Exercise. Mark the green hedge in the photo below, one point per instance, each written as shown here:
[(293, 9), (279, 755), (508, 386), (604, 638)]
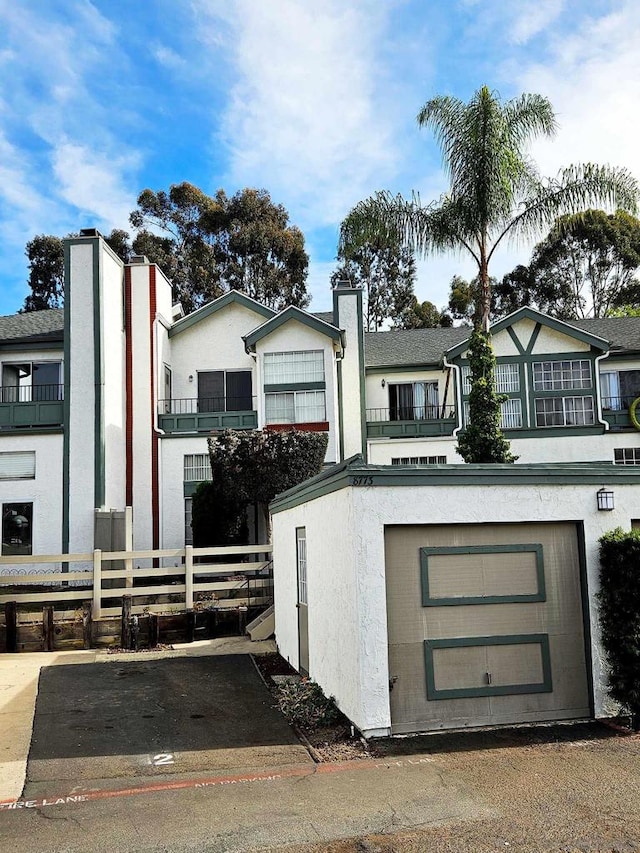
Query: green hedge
[(619, 601)]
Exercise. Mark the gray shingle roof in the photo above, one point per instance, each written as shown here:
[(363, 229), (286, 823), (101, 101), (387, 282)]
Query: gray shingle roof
[(623, 333), (33, 327), (410, 346), (427, 346), (325, 316)]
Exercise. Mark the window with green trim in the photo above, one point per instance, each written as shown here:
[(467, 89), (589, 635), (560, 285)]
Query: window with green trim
[(289, 368), (626, 455), (561, 375), (510, 413), (295, 407), (564, 411)]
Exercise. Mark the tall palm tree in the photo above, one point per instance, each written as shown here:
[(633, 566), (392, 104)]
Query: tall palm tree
[(495, 189)]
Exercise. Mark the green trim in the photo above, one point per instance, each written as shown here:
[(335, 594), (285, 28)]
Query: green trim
[(533, 338), (352, 472), (541, 432), (67, 397), (585, 355), (411, 429), (295, 386), (232, 297), (599, 344), (544, 686), (361, 379), (291, 313), (205, 422), (38, 413), (516, 340), (586, 615), (616, 355), (25, 344), (429, 601), (422, 367), (340, 412), (39, 430), (98, 366)]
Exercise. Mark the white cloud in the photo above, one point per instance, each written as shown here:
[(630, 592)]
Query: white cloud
[(92, 182), (592, 77), (304, 117)]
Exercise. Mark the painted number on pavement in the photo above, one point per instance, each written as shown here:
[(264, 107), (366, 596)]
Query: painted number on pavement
[(163, 758)]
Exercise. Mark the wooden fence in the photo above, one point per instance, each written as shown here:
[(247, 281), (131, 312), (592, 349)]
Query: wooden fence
[(244, 581)]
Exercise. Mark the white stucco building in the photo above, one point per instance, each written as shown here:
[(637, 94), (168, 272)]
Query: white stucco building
[(421, 592)]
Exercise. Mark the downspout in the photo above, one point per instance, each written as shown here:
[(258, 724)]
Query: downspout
[(456, 370), (599, 358)]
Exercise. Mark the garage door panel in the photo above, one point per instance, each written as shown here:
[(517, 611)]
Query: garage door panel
[(481, 574), (489, 579), (486, 619), (409, 710)]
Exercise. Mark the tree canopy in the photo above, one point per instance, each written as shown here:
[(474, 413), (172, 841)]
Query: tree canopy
[(205, 245), (586, 267), (387, 273), (256, 465), (212, 244)]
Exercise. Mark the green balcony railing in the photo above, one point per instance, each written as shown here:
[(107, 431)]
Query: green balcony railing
[(411, 422), (206, 414)]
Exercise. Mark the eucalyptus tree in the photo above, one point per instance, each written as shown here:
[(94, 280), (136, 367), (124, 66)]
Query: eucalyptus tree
[(495, 190)]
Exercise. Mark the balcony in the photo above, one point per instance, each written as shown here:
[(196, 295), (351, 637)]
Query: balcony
[(411, 422), (615, 410), (31, 406), (207, 414)]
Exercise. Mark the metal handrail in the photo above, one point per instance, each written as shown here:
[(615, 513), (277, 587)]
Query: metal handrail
[(31, 393), (197, 405), (411, 413)]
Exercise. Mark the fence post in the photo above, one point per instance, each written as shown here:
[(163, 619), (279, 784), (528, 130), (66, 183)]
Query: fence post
[(86, 625), (125, 623), (11, 624), (48, 627), (97, 583), (188, 577), (128, 545)]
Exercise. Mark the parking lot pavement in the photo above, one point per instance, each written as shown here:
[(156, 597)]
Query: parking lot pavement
[(156, 716), (80, 717)]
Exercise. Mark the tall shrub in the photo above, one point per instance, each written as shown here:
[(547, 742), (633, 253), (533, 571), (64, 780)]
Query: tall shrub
[(619, 601)]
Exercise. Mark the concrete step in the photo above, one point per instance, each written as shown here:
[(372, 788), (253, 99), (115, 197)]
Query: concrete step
[(263, 626)]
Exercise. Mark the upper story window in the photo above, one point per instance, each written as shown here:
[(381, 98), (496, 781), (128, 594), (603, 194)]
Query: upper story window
[(564, 411), (510, 413), (295, 407), (413, 401), (290, 368), (507, 379), (224, 391), (561, 375), (29, 381)]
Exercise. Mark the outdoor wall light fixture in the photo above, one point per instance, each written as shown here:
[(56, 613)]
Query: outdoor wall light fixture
[(191, 377), (383, 383), (605, 499)]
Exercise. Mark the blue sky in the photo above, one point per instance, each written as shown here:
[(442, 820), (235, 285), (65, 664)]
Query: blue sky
[(314, 100)]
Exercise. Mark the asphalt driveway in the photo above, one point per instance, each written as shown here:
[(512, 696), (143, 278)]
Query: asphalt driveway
[(116, 718)]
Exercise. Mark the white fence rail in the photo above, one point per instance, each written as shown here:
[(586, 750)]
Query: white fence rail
[(195, 578)]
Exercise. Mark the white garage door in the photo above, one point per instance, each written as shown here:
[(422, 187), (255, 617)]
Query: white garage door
[(485, 625)]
